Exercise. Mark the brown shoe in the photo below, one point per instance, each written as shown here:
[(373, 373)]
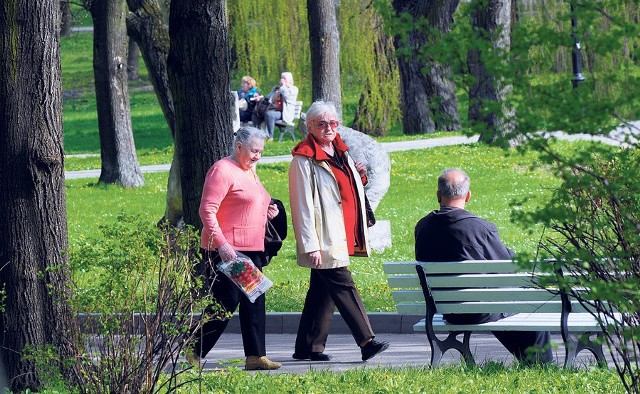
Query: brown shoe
[(260, 363)]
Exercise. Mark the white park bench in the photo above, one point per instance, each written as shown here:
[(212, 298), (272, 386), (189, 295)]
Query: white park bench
[(488, 286)]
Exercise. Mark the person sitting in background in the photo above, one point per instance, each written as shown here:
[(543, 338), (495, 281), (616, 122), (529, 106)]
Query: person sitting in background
[(248, 92), (454, 234), (282, 105)]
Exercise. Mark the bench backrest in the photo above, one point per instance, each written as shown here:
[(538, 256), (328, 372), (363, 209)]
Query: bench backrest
[(472, 286), (297, 110)]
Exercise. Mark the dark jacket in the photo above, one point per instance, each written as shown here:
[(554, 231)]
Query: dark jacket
[(453, 234)]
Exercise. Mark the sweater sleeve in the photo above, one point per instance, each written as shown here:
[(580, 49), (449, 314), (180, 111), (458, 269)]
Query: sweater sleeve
[(216, 187)]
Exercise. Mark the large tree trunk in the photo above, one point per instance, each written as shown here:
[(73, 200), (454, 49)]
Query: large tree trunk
[(65, 18), (117, 149), (492, 21), (198, 69), (33, 235), (429, 100), (145, 25), (324, 41)]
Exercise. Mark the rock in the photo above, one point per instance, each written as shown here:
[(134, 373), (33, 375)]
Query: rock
[(372, 154)]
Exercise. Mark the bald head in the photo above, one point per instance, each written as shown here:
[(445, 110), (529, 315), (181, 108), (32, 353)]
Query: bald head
[(453, 188)]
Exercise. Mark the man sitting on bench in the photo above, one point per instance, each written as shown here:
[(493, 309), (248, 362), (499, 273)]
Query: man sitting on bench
[(454, 234)]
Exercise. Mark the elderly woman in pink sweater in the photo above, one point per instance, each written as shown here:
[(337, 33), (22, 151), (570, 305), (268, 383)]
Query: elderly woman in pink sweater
[(234, 210)]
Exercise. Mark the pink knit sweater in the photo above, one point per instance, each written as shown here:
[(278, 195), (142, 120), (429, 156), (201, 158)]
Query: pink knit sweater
[(233, 208)]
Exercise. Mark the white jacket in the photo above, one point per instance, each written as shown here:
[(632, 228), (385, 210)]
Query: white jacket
[(318, 221)]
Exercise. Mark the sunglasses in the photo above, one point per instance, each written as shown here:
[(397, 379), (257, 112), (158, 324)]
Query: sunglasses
[(323, 124)]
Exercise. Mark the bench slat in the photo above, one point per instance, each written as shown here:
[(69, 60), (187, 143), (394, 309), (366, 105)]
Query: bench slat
[(484, 307), (506, 294), (578, 322), (469, 267), (466, 281)]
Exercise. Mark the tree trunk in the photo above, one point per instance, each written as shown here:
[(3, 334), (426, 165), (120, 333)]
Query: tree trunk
[(198, 69), (117, 148), (33, 236), (324, 41), (145, 25), (491, 20), (65, 18), (133, 56), (429, 100)]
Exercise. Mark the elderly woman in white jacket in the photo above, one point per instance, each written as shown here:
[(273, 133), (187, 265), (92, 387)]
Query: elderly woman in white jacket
[(330, 224)]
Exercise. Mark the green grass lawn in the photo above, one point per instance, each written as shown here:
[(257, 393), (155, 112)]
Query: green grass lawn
[(496, 180), (492, 378)]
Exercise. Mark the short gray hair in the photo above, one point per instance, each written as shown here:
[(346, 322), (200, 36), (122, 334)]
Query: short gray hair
[(319, 108), (450, 186), (245, 134), (288, 75)]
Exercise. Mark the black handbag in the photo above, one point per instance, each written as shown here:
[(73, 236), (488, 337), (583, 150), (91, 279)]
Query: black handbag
[(275, 232), (261, 107)]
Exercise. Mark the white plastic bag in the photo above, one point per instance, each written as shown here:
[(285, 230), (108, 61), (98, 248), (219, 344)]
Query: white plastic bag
[(246, 276)]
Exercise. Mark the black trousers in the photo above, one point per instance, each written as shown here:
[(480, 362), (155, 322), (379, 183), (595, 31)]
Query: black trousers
[(527, 346), (330, 288), (252, 315)]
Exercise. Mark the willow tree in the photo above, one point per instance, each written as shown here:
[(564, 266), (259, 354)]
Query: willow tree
[(268, 37), (198, 70), (34, 276), (369, 53)]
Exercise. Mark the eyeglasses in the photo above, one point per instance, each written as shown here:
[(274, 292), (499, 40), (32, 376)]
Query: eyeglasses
[(323, 124)]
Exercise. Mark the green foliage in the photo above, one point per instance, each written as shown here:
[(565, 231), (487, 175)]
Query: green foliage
[(591, 218), (138, 305)]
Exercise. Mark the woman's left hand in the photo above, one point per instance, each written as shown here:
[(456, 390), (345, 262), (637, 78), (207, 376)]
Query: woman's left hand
[(361, 168), (272, 211)]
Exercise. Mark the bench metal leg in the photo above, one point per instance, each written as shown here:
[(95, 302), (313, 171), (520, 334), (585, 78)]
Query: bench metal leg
[(287, 130), (574, 346), (440, 347)]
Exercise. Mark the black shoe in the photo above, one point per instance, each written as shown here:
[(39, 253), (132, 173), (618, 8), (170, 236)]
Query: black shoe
[(372, 348), (313, 356), (300, 356), (319, 356)]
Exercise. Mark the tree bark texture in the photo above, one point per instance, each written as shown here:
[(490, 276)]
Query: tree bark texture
[(429, 101), (145, 25), (324, 41), (117, 148), (491, 20), (198, 69), (33, 234), (66, 18)]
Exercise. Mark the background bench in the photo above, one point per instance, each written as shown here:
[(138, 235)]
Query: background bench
[(492, 286)]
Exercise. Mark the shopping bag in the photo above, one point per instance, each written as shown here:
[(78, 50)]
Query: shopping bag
[(244, 274)]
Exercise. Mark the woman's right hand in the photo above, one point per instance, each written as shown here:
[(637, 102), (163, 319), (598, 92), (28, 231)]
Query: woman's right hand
[(226, 252), (315, 258)]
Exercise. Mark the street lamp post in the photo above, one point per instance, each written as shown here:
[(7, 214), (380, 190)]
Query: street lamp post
[(576, 60)]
